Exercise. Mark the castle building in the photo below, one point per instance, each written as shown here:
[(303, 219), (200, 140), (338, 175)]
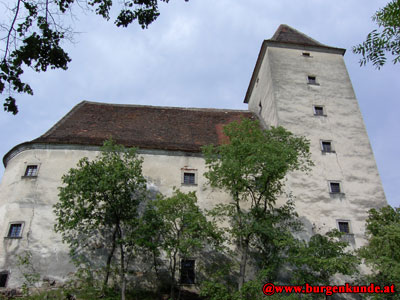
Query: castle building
[(297, 83)]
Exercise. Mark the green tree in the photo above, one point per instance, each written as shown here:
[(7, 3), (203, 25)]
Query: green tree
[(385, 39), (183, 230), (35, 32), (251, 167), (98, 206), (381, 253), (317, 261)]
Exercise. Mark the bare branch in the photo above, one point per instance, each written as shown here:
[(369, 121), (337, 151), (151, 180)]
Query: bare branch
[(11, 30)]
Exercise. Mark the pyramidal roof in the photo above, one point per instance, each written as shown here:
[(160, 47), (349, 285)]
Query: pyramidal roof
[(287, 34)]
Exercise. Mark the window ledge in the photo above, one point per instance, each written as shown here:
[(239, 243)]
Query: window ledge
[(338, 194), (333, 151), (189, 184), (316, 115), (348, 237), (30, 177), (309, 83), (12, 237)]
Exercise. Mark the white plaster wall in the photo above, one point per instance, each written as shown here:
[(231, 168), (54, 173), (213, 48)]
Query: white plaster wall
[(30, 200), (263, 92)]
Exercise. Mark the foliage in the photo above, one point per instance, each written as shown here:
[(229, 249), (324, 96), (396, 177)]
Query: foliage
[(251, 167), (382, 251), (98, 207), (316, 261), (385, 39), (251, 290), (273, 238), (86, 293), (30, 275), (35, 32), (182, 229)]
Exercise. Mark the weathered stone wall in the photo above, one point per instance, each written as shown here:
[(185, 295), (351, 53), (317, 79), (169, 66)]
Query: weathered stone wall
[(30, 200)]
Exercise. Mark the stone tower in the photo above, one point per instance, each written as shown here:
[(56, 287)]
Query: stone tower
[(304, 86)]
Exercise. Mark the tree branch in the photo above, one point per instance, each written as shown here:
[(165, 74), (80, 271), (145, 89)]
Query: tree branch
[(11, 29)]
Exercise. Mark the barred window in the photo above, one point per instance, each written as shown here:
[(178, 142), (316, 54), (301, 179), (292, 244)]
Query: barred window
[(189, 178), (15, 230), (312, 80), (319, 111), (3, 279), (326, 146), (344, 226), (31, 171), (187, 271), (335, 187)]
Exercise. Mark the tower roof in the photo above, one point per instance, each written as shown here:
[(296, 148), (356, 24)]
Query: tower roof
[(287, 34)]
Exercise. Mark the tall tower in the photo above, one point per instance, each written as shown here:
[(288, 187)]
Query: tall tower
[(303, 85)]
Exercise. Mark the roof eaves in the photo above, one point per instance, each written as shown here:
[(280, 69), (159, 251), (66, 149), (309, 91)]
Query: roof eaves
[(257, 67)]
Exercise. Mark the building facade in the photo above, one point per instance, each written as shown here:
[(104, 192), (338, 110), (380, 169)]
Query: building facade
[(297, 83)]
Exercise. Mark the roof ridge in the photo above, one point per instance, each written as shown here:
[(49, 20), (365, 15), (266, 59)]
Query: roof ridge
[(62, 120), (161, 107)]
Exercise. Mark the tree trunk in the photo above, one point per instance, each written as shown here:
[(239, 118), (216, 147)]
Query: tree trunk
[(173, 270), (122, 271), (109, 258), (243, 262), (158, 280)]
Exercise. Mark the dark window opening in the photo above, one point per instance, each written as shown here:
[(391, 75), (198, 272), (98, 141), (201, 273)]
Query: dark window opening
[(3, 279), (326, 146), (335, 187), (318, 110), (344, 227), (312, 80), (306, 54), (188, 178), (187, 271), (15, 231), (31, 170)]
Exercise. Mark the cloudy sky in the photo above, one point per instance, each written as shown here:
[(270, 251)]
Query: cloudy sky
[(202, 53)]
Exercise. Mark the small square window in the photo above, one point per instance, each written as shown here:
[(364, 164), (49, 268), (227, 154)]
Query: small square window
[(307, 54), (3, 279), (335, 187), (187, 271), (312, 80), (319, 111), (326, 146), (15, 230), (31, 171), (344, 226), (189, 178)]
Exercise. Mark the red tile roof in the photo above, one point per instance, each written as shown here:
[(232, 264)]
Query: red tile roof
[(145, 127)]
